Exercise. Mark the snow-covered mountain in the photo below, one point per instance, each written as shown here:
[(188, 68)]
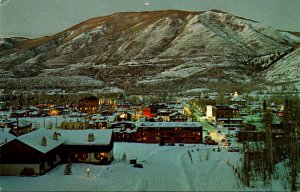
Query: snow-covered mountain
[(146, 51)]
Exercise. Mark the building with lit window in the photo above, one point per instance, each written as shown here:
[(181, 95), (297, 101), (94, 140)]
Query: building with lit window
[(39, 151), (89, 105), (74, 124), (222, 111), (169, 132)]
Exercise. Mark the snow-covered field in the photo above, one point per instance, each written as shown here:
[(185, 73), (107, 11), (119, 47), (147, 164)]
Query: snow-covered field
[(166, 168)]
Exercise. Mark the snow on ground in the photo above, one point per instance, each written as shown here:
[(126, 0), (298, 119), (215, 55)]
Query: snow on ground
[(166, 168)]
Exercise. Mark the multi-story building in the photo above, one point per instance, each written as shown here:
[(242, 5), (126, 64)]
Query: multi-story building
[(89, 105), (169, 132), (222, 111)]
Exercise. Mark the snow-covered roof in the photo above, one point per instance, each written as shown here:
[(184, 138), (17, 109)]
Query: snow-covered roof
[(5, 136), (66, 137), (120, 130), (98, 117), (33, 139), (169, 124), (123, 122), (237, 98), (23, 123), (176, 113), (80, 137), (76, 120)]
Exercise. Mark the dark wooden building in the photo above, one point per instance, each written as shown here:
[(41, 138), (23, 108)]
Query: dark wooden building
[(125, 116), (225, 111), (89, 105), (37, 152), (124, 131), (178, 117), (169, 132)]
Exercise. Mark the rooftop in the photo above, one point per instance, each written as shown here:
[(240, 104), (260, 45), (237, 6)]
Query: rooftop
[(66, 137), (169, 124)]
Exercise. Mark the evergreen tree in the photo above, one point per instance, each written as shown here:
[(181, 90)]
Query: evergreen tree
[(264, 105), (291, 124), (268, 121), (124, 158), (68, 168)]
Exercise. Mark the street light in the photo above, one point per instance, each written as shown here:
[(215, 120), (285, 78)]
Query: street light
[(88, 172)]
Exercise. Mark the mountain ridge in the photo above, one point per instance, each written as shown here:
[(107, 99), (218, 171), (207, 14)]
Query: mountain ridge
[(155, 50)]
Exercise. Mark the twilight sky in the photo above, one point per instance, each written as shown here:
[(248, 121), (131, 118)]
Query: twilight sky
[(35, 18)]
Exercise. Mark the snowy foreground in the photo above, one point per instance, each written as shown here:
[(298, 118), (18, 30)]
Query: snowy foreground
[(166, 168)]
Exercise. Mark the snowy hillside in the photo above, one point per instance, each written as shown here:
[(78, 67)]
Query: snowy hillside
[(156, 50), (287, 69)]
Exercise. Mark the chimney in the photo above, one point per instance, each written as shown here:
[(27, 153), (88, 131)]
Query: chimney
[(43, 141), (55, 136), (91, 137)]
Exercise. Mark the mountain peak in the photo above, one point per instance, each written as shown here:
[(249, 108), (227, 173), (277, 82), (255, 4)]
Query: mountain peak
[(170, 49)]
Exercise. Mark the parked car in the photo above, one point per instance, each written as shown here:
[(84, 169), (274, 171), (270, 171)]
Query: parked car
[(171, 144), (230, 149), (138, 165), (211, 142), (161, 144), (233, 149)]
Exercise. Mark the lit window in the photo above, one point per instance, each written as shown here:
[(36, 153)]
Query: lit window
[(83, 156), (96, 156)]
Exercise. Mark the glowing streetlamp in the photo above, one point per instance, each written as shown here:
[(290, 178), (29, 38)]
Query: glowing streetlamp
[(88, 172)]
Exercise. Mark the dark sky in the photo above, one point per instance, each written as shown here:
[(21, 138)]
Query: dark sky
[(35, 18)]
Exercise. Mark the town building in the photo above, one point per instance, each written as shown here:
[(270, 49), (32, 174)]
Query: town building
[(222, 111), (178, 117), (169, 132), (37, 152), (75, 124), (89, 105)]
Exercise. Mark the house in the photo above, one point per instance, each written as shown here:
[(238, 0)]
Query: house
[(222, 111), (238, 100), (163, 114), (124, 131), (18, 113), (231, 123), (89, 146), (169, 132), (155, 106), (89, 105), (100, 122), (5, 136), (178, 117), (252, 134), (31, 154), (74, 124), (32, 111), (37, 152), (124, 135), (20, 127), (123, 125), (125, 116)]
